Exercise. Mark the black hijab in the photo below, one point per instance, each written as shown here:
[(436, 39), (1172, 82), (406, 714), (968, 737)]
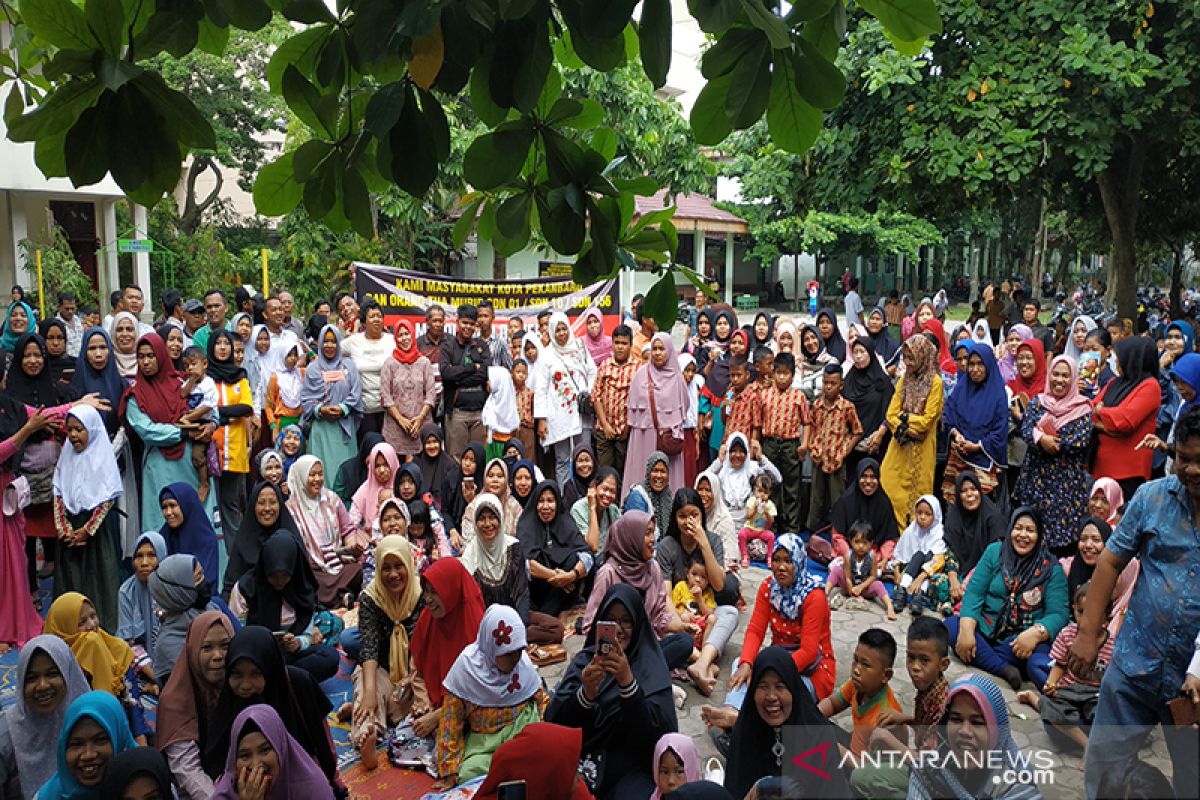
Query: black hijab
[(555, 544), (223, 370), (164, 330), (577, 485), (885, 346), (353, 472), (454, 503), (870, 389), (283, 552), (1080, 573), (250, 538), (410, 469), (135, 763), (315, 323), (835, 345), (968, 533), (523, 464), (62, 367), (754, 340), (700, 790), (876, 509), (293, 693), (1138, 358), (31, 390), (13, 417), (433, 470), (106, 382), (515, 444), (717, 381), (1022, 573), (752, 740)]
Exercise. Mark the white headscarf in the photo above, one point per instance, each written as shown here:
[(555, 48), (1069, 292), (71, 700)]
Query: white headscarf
[(87, 480), (475, 677), (489, 559), (573, 346), (126, 362), (290, 381), (736, 482), (500, 410), (979, 333), (916, 539)]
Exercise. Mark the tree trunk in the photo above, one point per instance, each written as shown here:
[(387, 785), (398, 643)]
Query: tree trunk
[(1120, 184), (1037, 264), (193, 209), (972, 256), (1177, 282), (499, 266)]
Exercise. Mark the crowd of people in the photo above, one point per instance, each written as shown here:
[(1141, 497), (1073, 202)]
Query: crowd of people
[(229, 506)]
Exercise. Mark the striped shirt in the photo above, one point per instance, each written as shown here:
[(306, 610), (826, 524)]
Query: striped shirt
[(784, 414), (612, 392), (835, 431), (743, 411)]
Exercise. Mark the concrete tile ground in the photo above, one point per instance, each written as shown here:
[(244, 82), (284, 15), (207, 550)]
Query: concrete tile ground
[(1065, 782)]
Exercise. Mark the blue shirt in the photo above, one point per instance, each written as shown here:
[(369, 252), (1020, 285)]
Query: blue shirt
[(1158, 636)]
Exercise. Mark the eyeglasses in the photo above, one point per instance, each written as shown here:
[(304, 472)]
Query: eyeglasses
[(625, 624)]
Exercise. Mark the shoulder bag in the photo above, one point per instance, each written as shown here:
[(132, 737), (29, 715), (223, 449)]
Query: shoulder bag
[(668, 441)]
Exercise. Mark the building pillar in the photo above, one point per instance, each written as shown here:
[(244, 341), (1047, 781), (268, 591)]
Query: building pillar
[(729, 268), (18, 227), (108, 276), (141, 263)]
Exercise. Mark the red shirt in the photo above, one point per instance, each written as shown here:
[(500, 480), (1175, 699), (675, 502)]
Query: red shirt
[(1124, 426), (611, 391), (743, 412), (784, 414), (811, 632), (835, 431)]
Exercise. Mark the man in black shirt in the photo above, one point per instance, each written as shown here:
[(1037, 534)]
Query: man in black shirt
[(463, 365)]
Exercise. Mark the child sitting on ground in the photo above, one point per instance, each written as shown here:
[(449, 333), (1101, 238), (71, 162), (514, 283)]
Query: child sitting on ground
[(695, 602), (867, 693), (290, 444), (855, 578), (927, 659), (201, 394), (1068, 704), (760, 518), (920, 553)]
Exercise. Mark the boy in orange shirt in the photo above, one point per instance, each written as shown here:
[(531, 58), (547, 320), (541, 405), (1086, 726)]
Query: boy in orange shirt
[(867, 693)]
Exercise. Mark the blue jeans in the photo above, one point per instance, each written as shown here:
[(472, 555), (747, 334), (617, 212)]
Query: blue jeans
[(676, 649), (1127, 712), (993, 657)]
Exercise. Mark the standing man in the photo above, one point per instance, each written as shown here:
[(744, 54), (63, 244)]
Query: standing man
[(282, 337), (853, 305), (463, 365), (494, 339), (172, 302), (135, 303), (193, 320), (67, 306), (646, 330), (429, 344), (1029, 315), (215, 306), (290, 322), (611, 401), (1161, 528)]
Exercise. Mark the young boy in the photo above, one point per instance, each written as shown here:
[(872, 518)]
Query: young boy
[(856, 577), (835, 432), (927, 659), (867, 693), (610, 398), (760, 518), (201, 393), (764, 368), (785, 431), (526, 434), (742, 408)]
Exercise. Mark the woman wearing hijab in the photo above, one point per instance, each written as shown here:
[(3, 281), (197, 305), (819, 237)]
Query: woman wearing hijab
[(48, 681), (716, 516), (882, 343), (182, 598), (282, 388), (152, 409), (104, 657), (786, 338), (658, 403), (716, 366), (123, 329), (1029, 379), (280, 594), (559, 558), (865, 501), (448, 623), (235, 421), (977, 417), (1006, 351), (598, 510), (1080, 328), (1057, 430), (762, 331), (972, 523), (382, 466), (92, 717), (137, 613), (187, 529), (329, 536), (264, 760), (980, 333), (599, 346), (462, 483), (137, 773), (332, 401), (870, 389), (255, 660), (621, 698), (1080, 566), (1014, 606), (912, 417), (495, 483), (188, 702), (969, 768), (945, 361), (784, 700), (543, 755), (1126, 411), (568, 371), (354, 472), (810, 362), (17, 322), (86, 487), (60, 365), (522, 480), (434, 462), (492, 692), (827, 326), (267, 515), (654, 494), (407, 390)]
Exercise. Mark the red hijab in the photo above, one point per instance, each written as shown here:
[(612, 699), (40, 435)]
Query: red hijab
[(545, 756), (412, 353), (436, 643), (1032, 387), (946, 362), (158, 395)]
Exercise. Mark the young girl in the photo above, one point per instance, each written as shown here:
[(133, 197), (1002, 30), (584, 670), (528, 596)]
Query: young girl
[(695, 602), (676, 762), (501, 414), (920, 553), (282, 403), (736, 468), (379, 486), (760, 517), (524, 397), (408, 486), (855, 577), (691, 416), (138, 614), (290, 443), (421, 535)]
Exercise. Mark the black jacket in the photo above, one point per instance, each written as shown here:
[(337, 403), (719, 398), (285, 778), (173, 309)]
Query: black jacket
[(464, 374)]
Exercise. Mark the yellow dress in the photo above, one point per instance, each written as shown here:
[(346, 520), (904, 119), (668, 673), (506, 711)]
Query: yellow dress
[(908, 468)]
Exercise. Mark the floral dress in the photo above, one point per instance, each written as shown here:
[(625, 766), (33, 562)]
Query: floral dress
[(1057, 486)]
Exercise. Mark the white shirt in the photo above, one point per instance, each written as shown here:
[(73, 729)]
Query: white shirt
[(854, 308), (369, 355)]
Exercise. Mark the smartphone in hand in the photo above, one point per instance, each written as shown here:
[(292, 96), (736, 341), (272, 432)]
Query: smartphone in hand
[(511, 790), (606, 636)]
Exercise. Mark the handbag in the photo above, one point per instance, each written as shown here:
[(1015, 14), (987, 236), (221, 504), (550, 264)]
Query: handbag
[(667, 440)]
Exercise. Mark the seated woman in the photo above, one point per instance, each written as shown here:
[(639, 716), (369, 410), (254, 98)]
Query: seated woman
[(105, 659), (266, 515), (265, 761), (654, 494), (497, 563), (495, 483), (188, 701), (181, 590), (979, 756), (392, 520), (738, 463), (559, 558), (388, 610), (48, 681), (1080, 567), (330, 537), (716, 516), (281, 596), (408, 489), (137, 613), (595, 512), (619, 693), (379, 486), (779, 697), (255, 673), (865, 501), (95, 722), (492, 692), (583, 469), (543, 755), (522, 478), (972, 523), (353, 473), (188, 530), (1015, 604), (137, 774), (459, 488), (448, 623)]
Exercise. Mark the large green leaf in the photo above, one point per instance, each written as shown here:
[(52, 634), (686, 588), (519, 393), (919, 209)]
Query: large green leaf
[(512, 217), (106, 19), (439, 127), (182, 117), (497, 158), (307, 103), (58, 112), (309, 156), (792, 123), (561, 221), (413, 150), (249, 15), (481, 95), (87, 146), (654, 36), (462, 227), (820, 82), (662, 302), (768, 22), (356, 203), (116, 72), (710, 124), (322, 188), (601, 54), (384, 107), (715, 16), (809, 10), (723, 56), (276, 191), (300, 50), (306, 11), (49, 153), (827, 32), (909, 20), (59, 22), (749, 88)]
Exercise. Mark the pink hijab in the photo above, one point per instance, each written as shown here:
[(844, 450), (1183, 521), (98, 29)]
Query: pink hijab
[(1061, 411), (366, 499), (670, 390), (1112, 493), (600, 347), (684, 749)]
